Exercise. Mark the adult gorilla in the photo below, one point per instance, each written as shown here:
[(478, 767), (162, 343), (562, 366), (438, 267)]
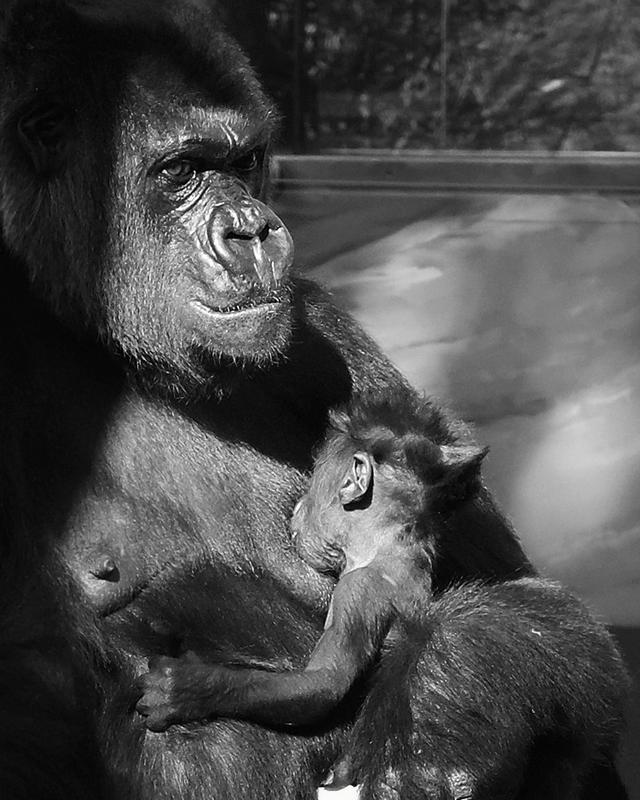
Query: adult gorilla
[(165, 377)]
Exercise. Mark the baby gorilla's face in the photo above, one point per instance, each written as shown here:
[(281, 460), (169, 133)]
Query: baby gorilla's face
[(318, 523)]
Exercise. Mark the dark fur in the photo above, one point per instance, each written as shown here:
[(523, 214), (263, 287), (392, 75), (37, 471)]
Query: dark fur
[(471, 636), (368, 516), (181, 453), (420, 441), (383, 535)]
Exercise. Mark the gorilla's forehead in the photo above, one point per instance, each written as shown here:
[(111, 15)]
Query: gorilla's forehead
[(195, 82), (195, 107), (217, 132)]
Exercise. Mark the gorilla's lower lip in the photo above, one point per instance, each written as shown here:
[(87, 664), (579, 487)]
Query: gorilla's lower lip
[(234, 313)]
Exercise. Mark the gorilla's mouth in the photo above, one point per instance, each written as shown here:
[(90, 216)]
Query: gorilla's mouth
[(254, 302), (255, 329), (232, 311)]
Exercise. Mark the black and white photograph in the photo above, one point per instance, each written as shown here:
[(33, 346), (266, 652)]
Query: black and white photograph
[(320, 400)]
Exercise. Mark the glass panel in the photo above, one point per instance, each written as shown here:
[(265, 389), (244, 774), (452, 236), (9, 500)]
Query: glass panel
[(449, 74)]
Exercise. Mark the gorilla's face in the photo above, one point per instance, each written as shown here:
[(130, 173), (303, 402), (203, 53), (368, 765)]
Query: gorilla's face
[(202, 272), (148, 182)]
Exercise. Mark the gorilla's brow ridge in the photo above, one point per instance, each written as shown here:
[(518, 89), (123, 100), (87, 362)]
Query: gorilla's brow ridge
[(220, 138)]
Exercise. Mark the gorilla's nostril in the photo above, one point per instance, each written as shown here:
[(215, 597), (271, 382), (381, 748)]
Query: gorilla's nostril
[(239, 235), (247, 235)]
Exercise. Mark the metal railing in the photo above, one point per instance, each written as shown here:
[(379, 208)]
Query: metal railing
[(406, 171)]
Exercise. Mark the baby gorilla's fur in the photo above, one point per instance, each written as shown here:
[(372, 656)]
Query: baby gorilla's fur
[(381, 481)]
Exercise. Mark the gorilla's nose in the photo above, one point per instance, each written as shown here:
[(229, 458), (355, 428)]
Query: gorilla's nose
[(250, 240)]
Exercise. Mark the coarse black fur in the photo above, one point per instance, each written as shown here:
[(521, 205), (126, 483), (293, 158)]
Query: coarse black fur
[(164, 378)]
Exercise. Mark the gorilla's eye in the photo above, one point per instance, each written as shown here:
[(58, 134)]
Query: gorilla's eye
[(44, 126), (47, 124), (247, 162), (179, 172)]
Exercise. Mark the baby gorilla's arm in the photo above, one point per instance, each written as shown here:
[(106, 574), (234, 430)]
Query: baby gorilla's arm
[(187, 689)]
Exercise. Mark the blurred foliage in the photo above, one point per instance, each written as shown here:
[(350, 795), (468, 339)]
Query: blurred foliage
[(508, 74)]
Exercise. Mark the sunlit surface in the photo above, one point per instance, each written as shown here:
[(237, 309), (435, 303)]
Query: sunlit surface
[(348, 793)]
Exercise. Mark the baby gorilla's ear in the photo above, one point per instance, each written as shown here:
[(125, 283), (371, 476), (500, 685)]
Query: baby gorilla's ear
[(357, 480), (461, 466)]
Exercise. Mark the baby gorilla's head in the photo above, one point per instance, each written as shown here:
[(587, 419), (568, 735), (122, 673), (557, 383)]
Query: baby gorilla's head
[(381, 470)]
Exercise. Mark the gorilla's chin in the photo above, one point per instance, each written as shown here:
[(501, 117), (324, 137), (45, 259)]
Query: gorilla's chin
[(236, 346)]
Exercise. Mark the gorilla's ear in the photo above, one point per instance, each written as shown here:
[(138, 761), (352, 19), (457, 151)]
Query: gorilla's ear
[(44, 130)]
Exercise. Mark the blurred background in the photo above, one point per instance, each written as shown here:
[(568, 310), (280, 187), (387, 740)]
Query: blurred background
[(463, 74), (465, 176)]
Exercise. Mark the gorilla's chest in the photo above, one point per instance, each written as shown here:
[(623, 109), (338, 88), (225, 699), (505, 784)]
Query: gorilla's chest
[(168, 496)]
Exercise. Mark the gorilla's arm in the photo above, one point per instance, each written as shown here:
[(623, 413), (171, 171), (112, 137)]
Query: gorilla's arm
[(505, 684)]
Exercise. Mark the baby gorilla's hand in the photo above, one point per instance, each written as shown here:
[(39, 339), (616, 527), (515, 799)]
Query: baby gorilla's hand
[(172, 691)]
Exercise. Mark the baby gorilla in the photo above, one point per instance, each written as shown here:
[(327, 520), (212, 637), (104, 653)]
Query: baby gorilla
[(379, 479)]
